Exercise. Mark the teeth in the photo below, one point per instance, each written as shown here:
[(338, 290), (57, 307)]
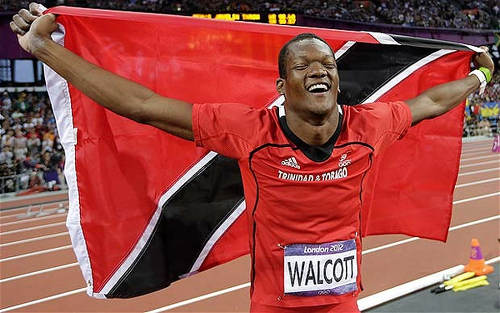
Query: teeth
[(318, 88)]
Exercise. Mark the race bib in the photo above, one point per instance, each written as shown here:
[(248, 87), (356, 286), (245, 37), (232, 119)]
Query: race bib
[(320, 269)]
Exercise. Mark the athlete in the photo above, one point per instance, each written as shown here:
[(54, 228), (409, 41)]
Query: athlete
[(305, 248)]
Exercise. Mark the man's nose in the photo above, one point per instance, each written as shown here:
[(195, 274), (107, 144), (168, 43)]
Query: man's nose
[(317, 70)]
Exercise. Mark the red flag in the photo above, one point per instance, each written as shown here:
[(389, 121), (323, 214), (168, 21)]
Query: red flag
[(147, 208)]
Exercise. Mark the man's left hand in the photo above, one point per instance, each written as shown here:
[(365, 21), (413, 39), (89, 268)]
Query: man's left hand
[(484, 59)]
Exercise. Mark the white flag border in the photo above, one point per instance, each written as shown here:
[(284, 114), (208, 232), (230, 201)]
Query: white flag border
[(61, 103)]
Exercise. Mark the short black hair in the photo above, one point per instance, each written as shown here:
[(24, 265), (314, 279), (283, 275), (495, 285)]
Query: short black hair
[(284, 50)]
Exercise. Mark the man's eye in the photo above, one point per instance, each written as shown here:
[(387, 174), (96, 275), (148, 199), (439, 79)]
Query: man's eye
[(301, 67), (330, 65)]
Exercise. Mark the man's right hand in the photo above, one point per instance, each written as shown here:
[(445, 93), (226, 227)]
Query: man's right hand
[(32, 28)]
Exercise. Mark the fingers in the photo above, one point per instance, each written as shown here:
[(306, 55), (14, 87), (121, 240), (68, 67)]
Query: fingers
[(27, 16), (19, 21), (36, 8), (16, 29), (484, 48), (483, 59)]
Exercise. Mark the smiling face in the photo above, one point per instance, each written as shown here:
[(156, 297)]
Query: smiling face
[(311, 82)]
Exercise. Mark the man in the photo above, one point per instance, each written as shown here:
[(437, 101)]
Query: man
[(303, 166)]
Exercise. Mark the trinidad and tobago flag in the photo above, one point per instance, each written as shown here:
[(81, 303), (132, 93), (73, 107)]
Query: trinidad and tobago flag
[(147, 208)]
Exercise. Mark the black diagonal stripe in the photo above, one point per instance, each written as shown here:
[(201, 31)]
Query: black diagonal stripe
[(365, 68), (188, 220)]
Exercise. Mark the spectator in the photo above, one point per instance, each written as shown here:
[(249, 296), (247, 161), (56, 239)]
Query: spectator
[(6, 156), (20, 145), (8, 138), (33, 138), (484, 128), (6, 101)]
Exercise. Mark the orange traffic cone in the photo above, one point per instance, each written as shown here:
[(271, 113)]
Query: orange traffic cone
[(476, 260)]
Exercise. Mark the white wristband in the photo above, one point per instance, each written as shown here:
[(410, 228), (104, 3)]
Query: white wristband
[(482, 80)]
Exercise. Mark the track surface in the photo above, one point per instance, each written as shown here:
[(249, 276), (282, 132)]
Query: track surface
[(38, 270)]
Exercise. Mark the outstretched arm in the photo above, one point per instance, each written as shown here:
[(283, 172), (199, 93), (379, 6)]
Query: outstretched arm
[(442, 98), (116, 93)]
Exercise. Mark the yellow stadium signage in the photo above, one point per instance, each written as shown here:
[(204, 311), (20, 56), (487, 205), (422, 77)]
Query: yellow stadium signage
[(271, 18), (282, 18)]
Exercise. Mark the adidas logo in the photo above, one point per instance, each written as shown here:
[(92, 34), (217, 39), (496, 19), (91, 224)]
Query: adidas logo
[(344, 161), (292, 162)]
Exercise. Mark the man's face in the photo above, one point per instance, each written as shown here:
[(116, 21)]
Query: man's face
[(312, 80)]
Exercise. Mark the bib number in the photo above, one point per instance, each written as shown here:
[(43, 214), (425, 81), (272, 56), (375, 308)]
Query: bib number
[(320, 269)]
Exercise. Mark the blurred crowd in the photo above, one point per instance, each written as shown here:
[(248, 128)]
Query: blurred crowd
[(438, 13), (31, 155), (482, 111), (482, 14)]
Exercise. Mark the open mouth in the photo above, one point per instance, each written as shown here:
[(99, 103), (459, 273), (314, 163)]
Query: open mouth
[(318, 88)]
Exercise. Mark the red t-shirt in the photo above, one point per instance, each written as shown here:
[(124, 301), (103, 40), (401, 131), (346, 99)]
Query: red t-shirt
[(303, 202)]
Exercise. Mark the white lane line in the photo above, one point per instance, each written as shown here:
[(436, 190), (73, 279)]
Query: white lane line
[(34, 207), (397, 243), (390, 245), (480, 157), (477, 182), (480, 163), (47, 270), (484, 220), (200, 298), (31, 219), (223, 291), (16, 212), (475, 140), (32, 239), (494, 260), (412, 286), (32, 228), (34, 253), (22, 305), (476, 198), (482, 146), (480, 171), (469, 145), (476, 150)]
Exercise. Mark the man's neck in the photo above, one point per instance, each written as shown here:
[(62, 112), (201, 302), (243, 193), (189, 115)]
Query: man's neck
[(314, 131)]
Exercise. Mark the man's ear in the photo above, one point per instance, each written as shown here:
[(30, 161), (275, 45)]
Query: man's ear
[(280, 86)]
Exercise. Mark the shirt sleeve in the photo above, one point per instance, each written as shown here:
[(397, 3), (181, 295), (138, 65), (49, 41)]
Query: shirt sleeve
[(225, 128)]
